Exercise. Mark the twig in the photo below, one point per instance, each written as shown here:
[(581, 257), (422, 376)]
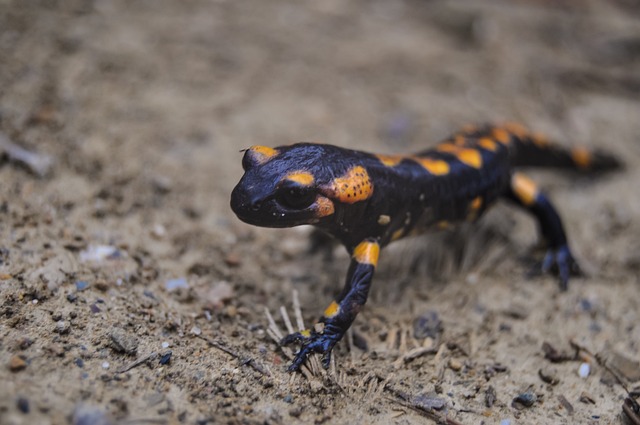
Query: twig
[(297, 311), (431, 414), (274, 332), (137, 362), (39, 164), (243, 360)]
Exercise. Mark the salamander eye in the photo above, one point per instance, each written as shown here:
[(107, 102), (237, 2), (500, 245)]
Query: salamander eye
[(296, 198)]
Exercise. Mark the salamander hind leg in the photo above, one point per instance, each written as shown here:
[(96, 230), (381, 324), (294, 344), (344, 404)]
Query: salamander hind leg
[(524, 192), (341, 313)]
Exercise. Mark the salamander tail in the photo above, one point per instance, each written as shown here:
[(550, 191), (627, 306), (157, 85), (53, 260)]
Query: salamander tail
[(530, 149)]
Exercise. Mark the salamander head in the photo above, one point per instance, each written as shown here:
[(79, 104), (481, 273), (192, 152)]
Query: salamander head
[(285, 186)]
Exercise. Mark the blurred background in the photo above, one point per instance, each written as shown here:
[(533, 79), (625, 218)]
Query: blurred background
[(132, 114)]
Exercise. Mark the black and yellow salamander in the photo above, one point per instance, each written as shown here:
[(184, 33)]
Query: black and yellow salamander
[(367, 201)]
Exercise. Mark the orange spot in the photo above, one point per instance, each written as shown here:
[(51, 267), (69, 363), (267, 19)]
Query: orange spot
[(470, 157), (501, 136), (437, 167), (581, 157), (467, 156), (262, 154), (367, 253), (306, 333), (488, 144), (397, 234), (474, 206), (324, 207), (514, 128), (447, 147), (390, 160), (459, 140), (332, 310), (524, 188), (476, 203), (301, 177), (353, 187)]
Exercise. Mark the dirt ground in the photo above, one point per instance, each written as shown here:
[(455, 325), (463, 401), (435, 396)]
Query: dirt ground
[(130, 293)]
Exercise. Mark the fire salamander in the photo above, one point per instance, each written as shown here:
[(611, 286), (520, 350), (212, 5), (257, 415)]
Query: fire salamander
[(367, 201)]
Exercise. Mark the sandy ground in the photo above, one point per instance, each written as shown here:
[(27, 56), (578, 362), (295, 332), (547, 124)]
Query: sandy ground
[(129, 292)]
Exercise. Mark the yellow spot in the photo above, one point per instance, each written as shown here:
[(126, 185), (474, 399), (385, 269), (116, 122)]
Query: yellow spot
[(581, 157), (467, 156), (353, 187), (488, 144), (367, 253), (262, 154), (524, 188), (470, 157), (514, 128), (324, 207), (437, 167), (447, 147), (501, 136), (474, 206), (476, 203), (397, 234), (443, 224), (332, 310), (383, 220), (390, 160), (306, 333), (301, 177)]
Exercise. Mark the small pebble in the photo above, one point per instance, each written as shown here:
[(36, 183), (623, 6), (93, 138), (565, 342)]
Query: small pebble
[(295, 412), (505, 422), (95, 309), (455, 364), (165, 344), (196, 330), (584, 370), (549, 375), (490, 397), (72, 297), (79, 363), (123, 342), (288, 398), (105, 365), (427, 325), (17, 363), (159, 231), (81, 285), (34, 301), (165, 358), (233, 259), (62, 327), (22, 404), (173, 284), (523, 400), (586, 398)]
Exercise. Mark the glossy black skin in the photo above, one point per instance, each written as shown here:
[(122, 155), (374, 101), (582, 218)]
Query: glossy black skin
[(413, 198), (397, 191)]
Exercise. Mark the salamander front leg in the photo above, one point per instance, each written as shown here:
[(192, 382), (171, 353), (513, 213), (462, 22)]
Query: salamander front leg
[(341, 313), (525, 193)]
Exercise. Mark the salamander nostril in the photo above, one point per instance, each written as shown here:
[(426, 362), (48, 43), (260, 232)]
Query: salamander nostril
[(256, 206)]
